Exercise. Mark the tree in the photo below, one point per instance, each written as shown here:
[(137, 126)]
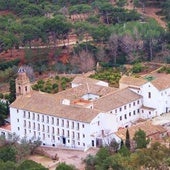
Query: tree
[(64, 166), (113, 44), (127, 141), (12, 95), (140, 139), (8, 153), (30, 165)]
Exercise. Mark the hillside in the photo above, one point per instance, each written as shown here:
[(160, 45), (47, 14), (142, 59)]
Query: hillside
[(73, 36)]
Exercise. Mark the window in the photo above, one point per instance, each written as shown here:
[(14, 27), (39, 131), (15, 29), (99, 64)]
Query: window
[(150, 113), (120, 117), (48, 129), (57, 122), (26, 88), (17, 111), (52, 121), (115, 110), (25, 132), (42, 118), (29, 124), (77, 126), (58, 131), (125, 116), (43, 136), (53, 137), (47, 119), (62, 123), (24, 114), (34, 134), (125, 107), (83, 135), (53, 130), (83, 144), (68, 134), (38, 126), (138, 102), (33, 125), (63, 132), (43, 129), (67, 124), (82, 125), (98, 123), (17, 120), (138, 110), (73, 135), (133, 103), (120, 109), (78, 143), (72, 125), (38, 117), (28, 115), (129, 113), (18, 128), (130, 105), (24, 123), (78, 136), (149, 95), (33, 116), (134, 112)]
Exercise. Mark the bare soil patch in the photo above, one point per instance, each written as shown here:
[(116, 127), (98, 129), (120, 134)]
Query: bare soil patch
[(73, 157)]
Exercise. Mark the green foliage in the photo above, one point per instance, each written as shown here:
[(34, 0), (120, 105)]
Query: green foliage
[(127, 141), (8, 153), (124, 151), (7, 64), (110, 76), (4, 108), (164, 69), (64, 166), (52, 85), (101, 155), (140, 139), (7, 165), (12, 89), (137, 68), (121, 3), (30, 165)]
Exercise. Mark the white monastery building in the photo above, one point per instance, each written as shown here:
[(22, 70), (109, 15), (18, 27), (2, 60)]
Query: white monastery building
[(88, 114)]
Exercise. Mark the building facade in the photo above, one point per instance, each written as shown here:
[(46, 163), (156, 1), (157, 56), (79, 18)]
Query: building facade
[(86, 115)]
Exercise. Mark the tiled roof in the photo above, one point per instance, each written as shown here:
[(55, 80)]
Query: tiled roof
[(146, 126), (78, 92), (116, 99), (162, 83), (83, 80), (132, 81), (47, 104)]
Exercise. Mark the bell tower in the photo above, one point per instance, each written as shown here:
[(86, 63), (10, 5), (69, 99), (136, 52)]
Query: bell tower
[(22, 82)]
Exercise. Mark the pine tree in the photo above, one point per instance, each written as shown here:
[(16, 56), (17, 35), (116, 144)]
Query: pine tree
[(12, 95), (127, 141)]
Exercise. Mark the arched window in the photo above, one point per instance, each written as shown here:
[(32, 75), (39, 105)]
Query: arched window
[(19, 88), (149, 95)]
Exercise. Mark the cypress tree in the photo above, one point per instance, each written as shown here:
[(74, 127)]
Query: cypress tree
[(127, 141)]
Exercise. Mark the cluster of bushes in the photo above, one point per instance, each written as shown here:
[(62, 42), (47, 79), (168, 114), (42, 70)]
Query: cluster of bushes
[(52, 85), (111, 76), (6, 64), (137, 68), (164, 69)]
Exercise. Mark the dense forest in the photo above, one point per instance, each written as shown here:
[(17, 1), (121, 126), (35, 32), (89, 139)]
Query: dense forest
[(103, 31)]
